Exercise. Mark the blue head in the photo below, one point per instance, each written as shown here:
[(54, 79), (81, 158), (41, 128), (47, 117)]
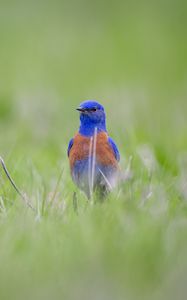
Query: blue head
[(92, 115)]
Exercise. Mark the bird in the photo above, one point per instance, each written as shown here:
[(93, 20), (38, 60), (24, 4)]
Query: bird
[(93, 155)]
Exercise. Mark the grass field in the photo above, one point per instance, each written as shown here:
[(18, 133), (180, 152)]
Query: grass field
[(132, 57)]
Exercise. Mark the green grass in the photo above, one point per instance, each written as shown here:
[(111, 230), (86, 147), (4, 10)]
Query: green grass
[(130, 56)]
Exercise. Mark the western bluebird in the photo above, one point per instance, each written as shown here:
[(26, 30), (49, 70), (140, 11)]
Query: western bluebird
[(93, 155)]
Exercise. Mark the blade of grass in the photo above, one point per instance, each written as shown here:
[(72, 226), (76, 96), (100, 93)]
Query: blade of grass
[(24, 198)]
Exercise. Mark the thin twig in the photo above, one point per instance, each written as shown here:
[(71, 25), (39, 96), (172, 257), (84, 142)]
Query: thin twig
[(14, 185), (90, 168), (105, 178), (94, 157)]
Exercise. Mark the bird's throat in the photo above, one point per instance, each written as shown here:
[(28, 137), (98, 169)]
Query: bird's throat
[(89, 128)]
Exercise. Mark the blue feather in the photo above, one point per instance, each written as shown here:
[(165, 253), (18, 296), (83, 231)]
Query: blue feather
[(89, 120), (114, 148), (70, 146)]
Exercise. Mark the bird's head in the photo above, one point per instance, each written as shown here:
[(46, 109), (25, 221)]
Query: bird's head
[(92, 115)]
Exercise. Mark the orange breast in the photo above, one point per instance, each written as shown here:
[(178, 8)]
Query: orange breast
[(81, 149)]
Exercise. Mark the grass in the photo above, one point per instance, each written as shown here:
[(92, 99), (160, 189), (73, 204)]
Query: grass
[(132, 58)]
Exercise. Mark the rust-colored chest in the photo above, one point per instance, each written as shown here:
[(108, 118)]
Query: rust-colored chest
[(84, 146)]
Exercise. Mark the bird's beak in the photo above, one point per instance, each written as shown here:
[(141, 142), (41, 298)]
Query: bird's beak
[(80, 109)]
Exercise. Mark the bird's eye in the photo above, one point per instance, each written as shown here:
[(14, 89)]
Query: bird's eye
[(93, 109)]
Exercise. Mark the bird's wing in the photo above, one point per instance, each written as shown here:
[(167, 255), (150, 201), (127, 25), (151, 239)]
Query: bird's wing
[(114, 148), (70, 146)]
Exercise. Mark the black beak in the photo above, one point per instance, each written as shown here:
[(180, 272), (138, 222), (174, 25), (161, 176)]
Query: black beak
[(80, 109)]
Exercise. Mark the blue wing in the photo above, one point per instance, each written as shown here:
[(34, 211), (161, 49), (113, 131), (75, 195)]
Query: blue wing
[(70, 146), (114, 148)]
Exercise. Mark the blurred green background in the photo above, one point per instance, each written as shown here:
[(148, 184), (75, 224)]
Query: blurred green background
[(132, 57), (129, 55)]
